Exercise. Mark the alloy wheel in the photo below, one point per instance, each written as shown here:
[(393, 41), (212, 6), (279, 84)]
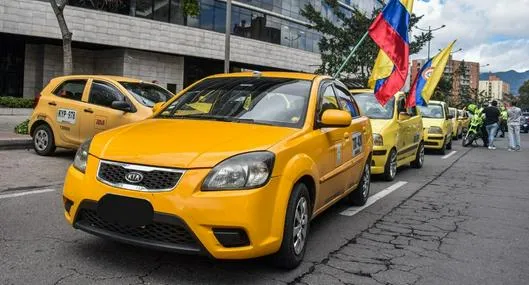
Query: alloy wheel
[(366, 180), (301, 220), (393, 165), (41, 140)]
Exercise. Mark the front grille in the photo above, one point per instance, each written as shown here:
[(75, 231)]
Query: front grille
[(156, 232), (430, 143), (153, 178), (436, 138)]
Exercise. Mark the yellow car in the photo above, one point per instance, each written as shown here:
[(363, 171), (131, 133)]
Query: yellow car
[(464, 120), (397, 133), (71, 109), (234, 167), (457, 130), (438, 127)]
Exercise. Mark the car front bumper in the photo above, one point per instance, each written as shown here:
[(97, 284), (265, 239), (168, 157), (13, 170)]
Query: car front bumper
[(433, 141), (185, 219), (379, 158)]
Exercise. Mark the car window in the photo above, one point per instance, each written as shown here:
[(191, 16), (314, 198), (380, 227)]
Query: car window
[(71, 89), (432, 111), (412, 111), (368, 104), (147, 94), (327, 100), (346, 102), (103, 94)]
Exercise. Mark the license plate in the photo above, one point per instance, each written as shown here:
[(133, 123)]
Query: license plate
[(125, 210), (66, 116)]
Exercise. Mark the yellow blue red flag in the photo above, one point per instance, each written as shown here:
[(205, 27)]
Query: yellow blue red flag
[(390, 32), (427, 78)]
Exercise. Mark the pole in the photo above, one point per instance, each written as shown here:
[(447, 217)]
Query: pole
[(351, 54), (429, 39), (227, 38)]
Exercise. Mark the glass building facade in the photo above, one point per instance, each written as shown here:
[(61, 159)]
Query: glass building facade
[(273, 21)]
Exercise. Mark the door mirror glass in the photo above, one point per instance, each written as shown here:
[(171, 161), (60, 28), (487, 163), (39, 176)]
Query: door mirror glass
[(335, 119), (122, 106), (157, 107), (404, 116)]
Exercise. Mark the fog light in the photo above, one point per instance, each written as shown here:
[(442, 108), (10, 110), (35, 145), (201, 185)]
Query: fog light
[(67, 204), (231, 237)]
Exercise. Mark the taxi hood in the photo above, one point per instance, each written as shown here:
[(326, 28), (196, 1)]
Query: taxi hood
[(377, 125), (182, 143), (431, 122)]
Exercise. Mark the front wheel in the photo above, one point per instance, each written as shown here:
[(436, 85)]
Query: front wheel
[(468, 139), (360, 195), (390, 168), (297, 223), (449, 145), (419, 157)]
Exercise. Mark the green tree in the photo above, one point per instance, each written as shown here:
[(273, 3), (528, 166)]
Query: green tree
[(339, 38), (524, 96), (443, 90)]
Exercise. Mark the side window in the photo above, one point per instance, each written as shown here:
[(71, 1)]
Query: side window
[(71, 89), (346, 102), (412, 111), (327, 100), (103, 94), (401, 105)]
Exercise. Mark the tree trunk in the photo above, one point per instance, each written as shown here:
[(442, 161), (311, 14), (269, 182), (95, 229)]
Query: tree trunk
[(58, 9)]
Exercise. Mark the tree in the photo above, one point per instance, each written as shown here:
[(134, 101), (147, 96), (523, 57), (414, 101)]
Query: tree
[(340, 36), (58, 8), (524, 96), (443, 90)]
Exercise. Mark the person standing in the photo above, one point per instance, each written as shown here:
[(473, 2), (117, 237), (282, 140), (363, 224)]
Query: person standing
[(503, 121), (513, 124), (492, 119)]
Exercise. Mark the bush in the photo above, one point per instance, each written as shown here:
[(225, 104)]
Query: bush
[(14, 102), (22, 128)]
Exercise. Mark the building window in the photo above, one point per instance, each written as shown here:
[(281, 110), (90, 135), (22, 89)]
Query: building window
[(161, 10)]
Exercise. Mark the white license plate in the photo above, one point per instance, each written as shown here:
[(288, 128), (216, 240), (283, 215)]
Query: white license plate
[(66, 116)]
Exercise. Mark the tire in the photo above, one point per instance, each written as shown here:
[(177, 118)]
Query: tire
[(449, 145), (43, 140), (290, 255), (360, 195), (390, 169), (443, 149), (419, 157), (468, 140)]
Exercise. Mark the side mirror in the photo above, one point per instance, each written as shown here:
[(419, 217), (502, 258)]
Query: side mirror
[(157, 107), (404, 116), (450, 116), (122, 106), (335, 119)]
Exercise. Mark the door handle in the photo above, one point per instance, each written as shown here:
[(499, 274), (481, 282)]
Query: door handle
[(88, 110), (346, 136), (52, 103)]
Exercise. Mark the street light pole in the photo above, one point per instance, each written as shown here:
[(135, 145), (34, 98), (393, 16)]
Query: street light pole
[(227, 38), (430, 30)]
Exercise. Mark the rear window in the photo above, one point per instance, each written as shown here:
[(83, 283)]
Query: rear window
[(71, 89)]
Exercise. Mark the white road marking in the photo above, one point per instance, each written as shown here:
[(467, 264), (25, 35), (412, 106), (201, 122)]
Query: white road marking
[(13, 195), (355, 210), (450, 154)]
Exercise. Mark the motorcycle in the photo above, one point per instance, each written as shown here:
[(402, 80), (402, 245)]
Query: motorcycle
[(474, 131)]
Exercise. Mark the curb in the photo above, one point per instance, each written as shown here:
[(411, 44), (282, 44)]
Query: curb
[(15, 111), (16, 143)]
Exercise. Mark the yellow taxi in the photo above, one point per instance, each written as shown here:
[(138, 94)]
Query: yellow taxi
[(464, 120), (397, 133), (71, 109), (438, 127), (233, 167), (457, 130)]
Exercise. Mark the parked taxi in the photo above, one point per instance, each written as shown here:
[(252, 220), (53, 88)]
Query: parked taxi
[(397, 133), (438, 126), (234, 167), (71, 109), (464, 120), (457, 130)]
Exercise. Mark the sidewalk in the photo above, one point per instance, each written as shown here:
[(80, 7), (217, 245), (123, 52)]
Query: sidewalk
[(468, 226), (9, 119)]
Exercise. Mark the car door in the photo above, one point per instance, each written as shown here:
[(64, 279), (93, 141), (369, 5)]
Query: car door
[(355, 136), (98, 114), (447, 122), (404, 133), (332, 140), (66, 105), (416, 130)]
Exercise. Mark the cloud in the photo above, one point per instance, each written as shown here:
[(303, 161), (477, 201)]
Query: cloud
[(489, 31)]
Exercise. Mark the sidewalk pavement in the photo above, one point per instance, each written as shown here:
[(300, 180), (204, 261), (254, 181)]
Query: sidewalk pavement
[(9, 119), (10, 140)]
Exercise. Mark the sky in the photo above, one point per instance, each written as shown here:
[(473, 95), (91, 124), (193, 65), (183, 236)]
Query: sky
[(493, 32)]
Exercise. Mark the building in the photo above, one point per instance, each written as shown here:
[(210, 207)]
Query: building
[(461, 80), (493, 89), (153, 40)]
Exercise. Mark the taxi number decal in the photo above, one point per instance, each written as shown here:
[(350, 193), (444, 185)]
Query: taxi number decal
[(66, 116), (357, 143)]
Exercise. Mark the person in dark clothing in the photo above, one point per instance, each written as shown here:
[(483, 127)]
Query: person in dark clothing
[(492, 119)]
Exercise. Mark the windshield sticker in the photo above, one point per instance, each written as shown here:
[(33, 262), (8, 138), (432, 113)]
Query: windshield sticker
[(66, 116), (357, 143)]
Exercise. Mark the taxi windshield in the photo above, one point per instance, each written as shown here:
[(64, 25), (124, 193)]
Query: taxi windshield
[(147, 94), (368, 104), (262, 100), (432, 111), (452, 112)]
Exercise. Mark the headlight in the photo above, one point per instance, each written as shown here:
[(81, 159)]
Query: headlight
[(378, 140), (244, 171), (81, 156), (435, 130)]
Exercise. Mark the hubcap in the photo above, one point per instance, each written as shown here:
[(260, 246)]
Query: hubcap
[(301, 220), (393, 165), (421, 155), (366, 181), (41, 140)]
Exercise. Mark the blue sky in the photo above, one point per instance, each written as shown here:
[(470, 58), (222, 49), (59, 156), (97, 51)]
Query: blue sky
[(491, 32)]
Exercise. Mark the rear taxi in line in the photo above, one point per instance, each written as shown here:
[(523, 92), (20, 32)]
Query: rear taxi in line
[(71, 109), (457, 130), (464, 120), (397, 133), (234, 167), (438, 127)]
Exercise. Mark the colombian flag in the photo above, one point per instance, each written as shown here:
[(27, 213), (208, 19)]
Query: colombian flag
[(390, 32), (427, 78)]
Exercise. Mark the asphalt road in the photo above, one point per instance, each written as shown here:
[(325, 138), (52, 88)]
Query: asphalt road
[(461, 219)]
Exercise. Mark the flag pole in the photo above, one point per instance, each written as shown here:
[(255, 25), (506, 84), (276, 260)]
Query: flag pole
[(351, 54)]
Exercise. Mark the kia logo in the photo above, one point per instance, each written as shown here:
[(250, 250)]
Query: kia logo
[(134, 177)]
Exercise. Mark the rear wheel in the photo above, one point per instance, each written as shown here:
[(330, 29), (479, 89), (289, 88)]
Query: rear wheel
[(360, 195), (419, 157), (43, 140), (390, 169), (297, 223)]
